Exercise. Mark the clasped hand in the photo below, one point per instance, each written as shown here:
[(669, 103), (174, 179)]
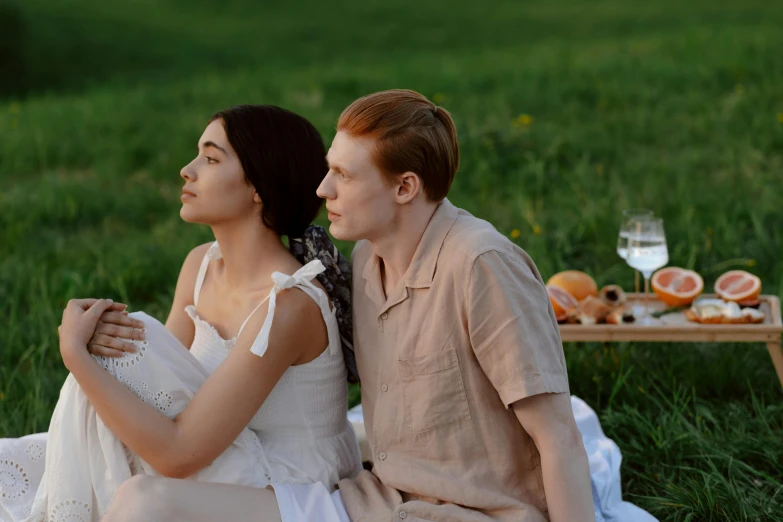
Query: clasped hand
[(97, 326)]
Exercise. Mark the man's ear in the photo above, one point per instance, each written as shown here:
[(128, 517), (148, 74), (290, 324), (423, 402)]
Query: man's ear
[(408, 186)]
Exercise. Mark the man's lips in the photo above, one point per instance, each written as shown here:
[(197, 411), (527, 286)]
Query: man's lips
[(333, 214)]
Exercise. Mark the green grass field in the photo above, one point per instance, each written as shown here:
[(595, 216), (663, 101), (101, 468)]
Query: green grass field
[(567, 111)]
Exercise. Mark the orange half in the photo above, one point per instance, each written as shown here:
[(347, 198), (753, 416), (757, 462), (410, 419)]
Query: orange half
[(578, 284), (677, 286), (561, 300), (738, 285)]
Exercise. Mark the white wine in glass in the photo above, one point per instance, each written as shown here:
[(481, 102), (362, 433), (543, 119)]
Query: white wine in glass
[(626, 226), (647, 252)]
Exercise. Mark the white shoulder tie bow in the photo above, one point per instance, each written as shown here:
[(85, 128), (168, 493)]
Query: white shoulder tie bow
[(303, 278)]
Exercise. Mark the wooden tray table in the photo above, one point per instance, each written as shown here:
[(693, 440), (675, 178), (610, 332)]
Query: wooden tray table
[(674, 327)]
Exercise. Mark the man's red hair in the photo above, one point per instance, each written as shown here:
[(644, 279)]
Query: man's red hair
[(412, 135)]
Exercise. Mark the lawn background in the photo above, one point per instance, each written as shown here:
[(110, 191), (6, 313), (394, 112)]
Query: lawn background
[(567, 112)]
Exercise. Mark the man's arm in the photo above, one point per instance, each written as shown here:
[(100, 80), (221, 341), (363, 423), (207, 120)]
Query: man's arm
[(549, 420), (517, 342)]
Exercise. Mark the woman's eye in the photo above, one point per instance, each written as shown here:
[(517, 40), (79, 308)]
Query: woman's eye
[(210, 161)]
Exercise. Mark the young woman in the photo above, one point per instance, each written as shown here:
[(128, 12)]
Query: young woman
[(260, 398)]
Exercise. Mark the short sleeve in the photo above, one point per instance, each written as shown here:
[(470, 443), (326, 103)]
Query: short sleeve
[(512, 327)]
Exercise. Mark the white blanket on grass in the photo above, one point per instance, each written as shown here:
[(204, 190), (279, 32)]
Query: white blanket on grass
[(603, 456)]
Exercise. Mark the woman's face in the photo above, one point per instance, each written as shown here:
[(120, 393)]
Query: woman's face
[(215, 188)]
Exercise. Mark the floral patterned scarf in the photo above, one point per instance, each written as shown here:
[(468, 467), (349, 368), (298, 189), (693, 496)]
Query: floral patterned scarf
[(336, 279)]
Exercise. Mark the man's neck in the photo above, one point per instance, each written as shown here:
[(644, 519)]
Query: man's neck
[(397, 247), (248, 248)]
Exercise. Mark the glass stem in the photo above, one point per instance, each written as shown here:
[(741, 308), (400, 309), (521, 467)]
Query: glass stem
[(646, 293)]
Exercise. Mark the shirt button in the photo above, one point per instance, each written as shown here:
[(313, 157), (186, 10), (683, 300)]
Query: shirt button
[(384, 316), (382, 456), (403, 515), (385, 388)]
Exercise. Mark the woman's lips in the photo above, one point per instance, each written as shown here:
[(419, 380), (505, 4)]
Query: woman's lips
[(186, 194), (332, 216)]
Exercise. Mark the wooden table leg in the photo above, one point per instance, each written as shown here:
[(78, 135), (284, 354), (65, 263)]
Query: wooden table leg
[(777, 358)]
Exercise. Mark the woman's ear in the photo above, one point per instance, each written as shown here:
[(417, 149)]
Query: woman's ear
[(256, 197)]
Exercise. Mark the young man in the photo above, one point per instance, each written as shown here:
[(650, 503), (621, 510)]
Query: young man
[(464, 386)]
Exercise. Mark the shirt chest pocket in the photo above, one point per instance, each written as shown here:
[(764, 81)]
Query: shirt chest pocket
[(432, 391)]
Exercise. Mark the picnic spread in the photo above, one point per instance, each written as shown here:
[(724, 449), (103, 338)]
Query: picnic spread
[(677, 311)]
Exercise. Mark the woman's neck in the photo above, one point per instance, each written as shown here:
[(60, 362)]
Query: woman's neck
[(248, 248)]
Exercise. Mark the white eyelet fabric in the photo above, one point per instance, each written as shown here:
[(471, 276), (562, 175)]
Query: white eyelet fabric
[(299, 436)]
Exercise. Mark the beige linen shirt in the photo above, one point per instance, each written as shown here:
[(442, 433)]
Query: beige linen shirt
[(468, 332)]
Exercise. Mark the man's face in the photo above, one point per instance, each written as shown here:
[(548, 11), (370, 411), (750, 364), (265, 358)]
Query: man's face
[(361, 203)]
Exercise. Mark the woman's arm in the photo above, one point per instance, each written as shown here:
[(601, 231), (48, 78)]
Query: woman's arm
[(115, 328), (178, 322), (221, 408)]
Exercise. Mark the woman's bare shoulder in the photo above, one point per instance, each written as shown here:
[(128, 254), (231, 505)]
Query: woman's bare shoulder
[(196, 255), (183, 294), (299, 324), (192, 263)]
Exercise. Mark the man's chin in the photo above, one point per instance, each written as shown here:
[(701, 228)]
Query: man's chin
[(339, 232)]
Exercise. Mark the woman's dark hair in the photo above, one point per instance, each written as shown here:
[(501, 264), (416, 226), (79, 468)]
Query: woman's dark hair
[(283, 157)]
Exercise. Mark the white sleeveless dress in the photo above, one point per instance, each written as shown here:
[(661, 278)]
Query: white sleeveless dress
[(299, 436)]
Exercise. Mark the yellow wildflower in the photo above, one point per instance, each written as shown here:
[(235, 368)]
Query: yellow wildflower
[(523, 120), (437, 99), (537, 230), (751, 262), (515, 233)]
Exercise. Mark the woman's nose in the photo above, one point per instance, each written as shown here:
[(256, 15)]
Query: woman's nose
[(187, 172)]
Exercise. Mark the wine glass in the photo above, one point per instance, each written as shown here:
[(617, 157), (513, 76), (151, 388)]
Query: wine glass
[(629, 215), (647, 252)]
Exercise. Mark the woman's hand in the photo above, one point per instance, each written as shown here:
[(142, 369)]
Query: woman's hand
[(113, 330), (80, 319)]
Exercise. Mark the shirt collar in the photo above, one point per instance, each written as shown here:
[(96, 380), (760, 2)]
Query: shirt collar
[(421, 271)]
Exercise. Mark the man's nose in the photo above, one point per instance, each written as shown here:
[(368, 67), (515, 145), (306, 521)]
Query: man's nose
[(325, 190)]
